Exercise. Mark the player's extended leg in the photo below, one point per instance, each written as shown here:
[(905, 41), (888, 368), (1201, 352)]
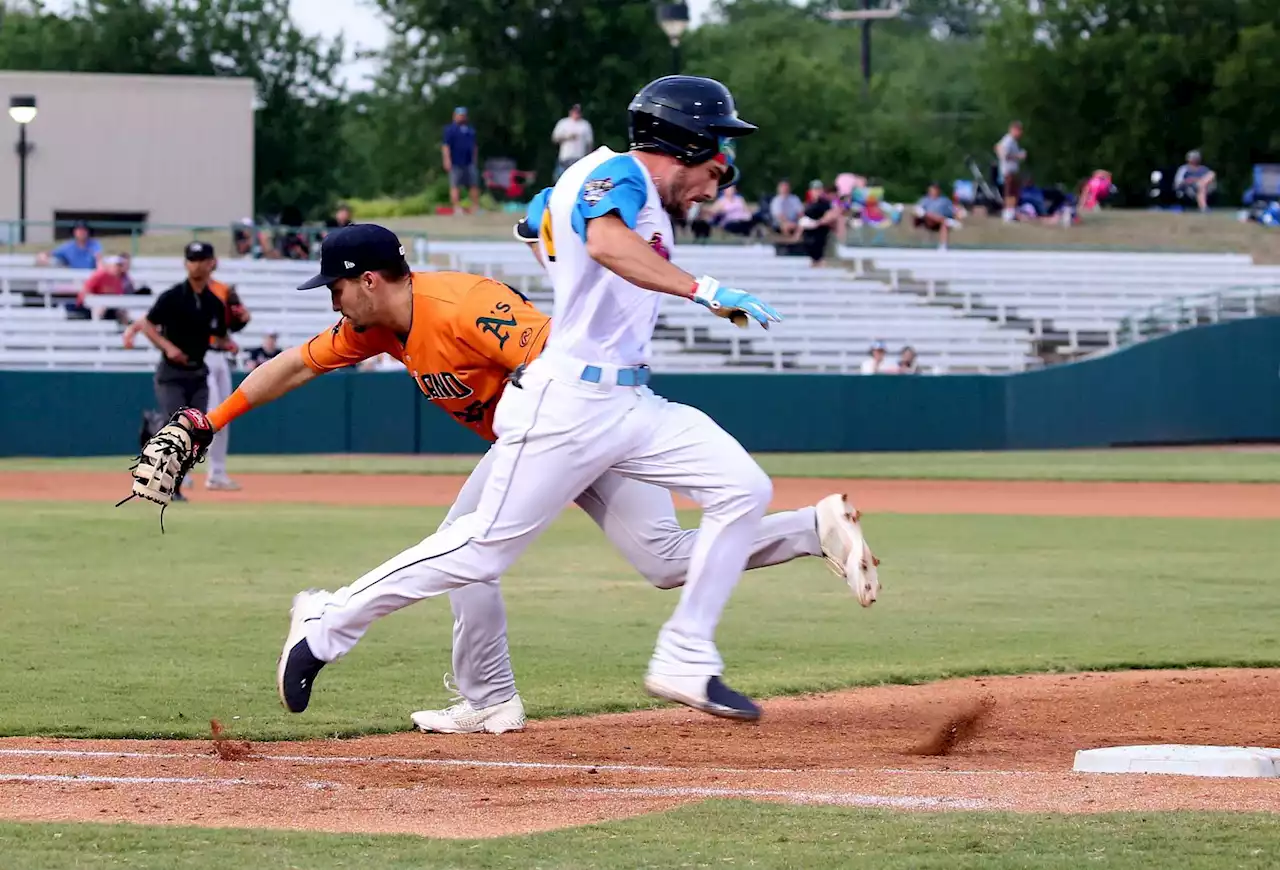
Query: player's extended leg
[(639, 519), (219, 385), (483, 678), (553, 442)]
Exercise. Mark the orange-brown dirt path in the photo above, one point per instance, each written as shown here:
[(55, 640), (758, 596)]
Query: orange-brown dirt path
[(849, 749), (1046, 498)]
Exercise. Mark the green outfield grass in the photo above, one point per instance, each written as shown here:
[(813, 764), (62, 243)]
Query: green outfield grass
[(713, 834), (1246, 466), (111, 629)]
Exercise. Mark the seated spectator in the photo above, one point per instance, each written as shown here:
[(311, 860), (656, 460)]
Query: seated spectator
[(937, 214), (876, 364), (733, 215), (785, 211), (907, 363), (821, 215), (81, 251), (1195, 181), (1097, 188), (106, 281), (270, 350)]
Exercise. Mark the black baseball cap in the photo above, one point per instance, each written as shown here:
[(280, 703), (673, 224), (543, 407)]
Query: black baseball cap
[(355, 249), (197, 251)]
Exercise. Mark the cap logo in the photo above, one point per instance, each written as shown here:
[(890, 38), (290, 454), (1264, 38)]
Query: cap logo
[(402, 250), (347, 264)]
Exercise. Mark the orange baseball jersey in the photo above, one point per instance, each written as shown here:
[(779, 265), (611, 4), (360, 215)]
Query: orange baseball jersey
[(468, 333)]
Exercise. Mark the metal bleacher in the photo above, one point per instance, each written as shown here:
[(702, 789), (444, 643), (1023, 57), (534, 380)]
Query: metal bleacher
[(1070, 302), (963, 310)]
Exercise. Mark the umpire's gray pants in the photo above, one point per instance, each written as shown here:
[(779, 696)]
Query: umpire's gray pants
[(639, 519)]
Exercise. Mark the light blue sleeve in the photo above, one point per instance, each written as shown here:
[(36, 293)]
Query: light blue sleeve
[(615, 186), (537, 205)]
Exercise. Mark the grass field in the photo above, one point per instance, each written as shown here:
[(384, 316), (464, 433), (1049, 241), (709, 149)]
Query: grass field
[(112, 630), (721, 834), (1191, 465)]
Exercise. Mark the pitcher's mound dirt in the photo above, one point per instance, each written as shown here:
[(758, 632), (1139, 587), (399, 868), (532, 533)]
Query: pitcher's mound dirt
[(1012, 750)]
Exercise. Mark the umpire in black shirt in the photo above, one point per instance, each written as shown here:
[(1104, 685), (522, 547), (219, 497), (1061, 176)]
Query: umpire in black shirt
[(182, 324)]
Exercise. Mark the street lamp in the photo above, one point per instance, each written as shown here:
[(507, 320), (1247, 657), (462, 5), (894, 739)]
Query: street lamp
[(866, 15), (673, 18), (23, 111)]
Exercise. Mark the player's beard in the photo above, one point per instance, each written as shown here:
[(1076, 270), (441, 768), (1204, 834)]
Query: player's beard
[(674, 193)]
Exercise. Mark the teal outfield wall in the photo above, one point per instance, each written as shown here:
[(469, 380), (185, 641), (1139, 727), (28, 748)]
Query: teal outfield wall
[(1213, 384)]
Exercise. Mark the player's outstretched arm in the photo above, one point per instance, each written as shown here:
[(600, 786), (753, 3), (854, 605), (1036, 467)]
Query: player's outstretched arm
[(621, 250), (266, 383)]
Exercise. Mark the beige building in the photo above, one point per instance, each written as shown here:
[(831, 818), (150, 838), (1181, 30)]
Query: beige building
[(173, 149)]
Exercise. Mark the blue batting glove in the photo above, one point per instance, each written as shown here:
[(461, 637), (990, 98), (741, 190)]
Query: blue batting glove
[(736, 305)]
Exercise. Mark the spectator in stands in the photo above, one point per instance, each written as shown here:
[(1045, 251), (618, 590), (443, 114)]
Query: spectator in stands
[(1009, 157), (574, 136), (126, 280), (822, 213), (876, 364), (733, 214), (785, 211), (105, 281), (937, 214), (291, 241), (341, 218), (270, 350), (81, 251), (907, 363), (461, 156), (1195, 181)]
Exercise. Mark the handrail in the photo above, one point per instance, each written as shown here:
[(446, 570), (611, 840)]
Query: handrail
[(311, 234), (1189, 311)]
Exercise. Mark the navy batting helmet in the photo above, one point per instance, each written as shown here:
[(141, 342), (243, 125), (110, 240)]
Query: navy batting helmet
[(689, 117)]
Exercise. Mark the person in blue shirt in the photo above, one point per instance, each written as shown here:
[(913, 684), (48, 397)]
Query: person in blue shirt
[(81, 251), (461, 159)]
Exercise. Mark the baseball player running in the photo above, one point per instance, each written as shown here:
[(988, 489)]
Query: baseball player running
[(566, 422)]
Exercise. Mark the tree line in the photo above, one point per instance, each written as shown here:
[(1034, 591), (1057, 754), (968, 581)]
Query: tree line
[(1124, 85)]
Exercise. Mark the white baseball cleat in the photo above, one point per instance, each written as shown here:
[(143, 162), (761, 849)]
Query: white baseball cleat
[(845, 550), (462, 718), (708, 694)]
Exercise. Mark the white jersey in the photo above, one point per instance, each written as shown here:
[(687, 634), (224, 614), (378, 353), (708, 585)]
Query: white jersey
[(599, 317)]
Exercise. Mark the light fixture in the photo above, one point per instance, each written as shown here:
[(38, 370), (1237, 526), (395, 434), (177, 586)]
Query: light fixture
[(22, 109), (674, 20)]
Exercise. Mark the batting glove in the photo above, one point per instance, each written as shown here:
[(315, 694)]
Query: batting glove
[(736, 305)]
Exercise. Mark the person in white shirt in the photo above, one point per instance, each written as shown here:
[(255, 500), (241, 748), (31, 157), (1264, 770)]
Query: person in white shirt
[(876, 363), (1010, 155), (573, 135), (583, 408)]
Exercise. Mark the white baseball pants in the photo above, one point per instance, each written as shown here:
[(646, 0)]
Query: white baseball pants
[(219, 365), (557, 434), (639, 519)]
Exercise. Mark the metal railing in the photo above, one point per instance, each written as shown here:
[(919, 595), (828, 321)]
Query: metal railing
[(248, 240), (1187, 312)]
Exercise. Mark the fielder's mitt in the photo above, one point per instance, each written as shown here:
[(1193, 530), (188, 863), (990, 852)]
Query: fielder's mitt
[(168, 456)]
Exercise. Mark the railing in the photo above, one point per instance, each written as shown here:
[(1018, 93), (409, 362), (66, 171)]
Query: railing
[(1186, 312), (258, 240)]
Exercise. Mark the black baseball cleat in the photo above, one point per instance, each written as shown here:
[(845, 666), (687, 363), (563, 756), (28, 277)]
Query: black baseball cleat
[(708, 694), (297, 668)]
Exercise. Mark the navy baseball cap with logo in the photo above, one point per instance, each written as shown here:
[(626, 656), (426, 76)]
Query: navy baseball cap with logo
[(354, 250), (197, 251)]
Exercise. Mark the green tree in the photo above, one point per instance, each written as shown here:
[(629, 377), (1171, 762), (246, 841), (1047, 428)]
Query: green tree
[(517, 65)]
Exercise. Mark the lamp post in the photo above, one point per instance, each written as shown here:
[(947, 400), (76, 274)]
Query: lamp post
[(673, 18), (866, 15), (23, 111)]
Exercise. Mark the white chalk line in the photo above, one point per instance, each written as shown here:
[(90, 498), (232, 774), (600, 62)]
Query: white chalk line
[(509, 765), (790, 796), (801, 797), (143, 780)]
